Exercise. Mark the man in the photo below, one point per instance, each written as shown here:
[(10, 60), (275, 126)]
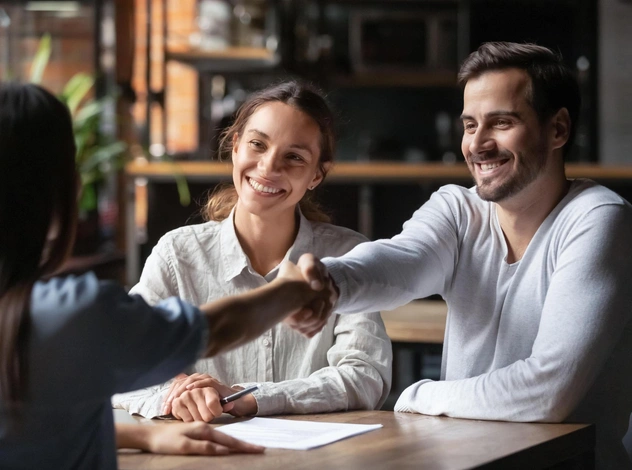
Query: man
[(535, 268)]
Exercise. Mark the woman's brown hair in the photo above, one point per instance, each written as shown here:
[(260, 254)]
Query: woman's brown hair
[(301, 96), (38, 188)]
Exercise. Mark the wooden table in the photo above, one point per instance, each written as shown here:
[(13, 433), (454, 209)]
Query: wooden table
[(408, 441), (420, 321)]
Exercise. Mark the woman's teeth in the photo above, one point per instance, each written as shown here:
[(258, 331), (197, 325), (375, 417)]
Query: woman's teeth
[(262, 188)]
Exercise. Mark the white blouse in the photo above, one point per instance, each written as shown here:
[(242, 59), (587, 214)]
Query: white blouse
[(346, 366)]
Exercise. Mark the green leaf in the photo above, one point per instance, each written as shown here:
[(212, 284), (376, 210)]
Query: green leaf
[(104, 154), (88, 200), (40, 61), (75, 90), (88, 111)]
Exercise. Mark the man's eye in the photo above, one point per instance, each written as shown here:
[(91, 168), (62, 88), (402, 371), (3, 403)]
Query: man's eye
[(469, 126), (502, 123)]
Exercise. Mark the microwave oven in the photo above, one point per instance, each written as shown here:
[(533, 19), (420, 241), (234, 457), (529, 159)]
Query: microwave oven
[(403, 41)]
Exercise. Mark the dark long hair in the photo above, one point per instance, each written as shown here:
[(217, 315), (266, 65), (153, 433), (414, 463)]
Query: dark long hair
[(305, 98), (553, 85), (38, 186)]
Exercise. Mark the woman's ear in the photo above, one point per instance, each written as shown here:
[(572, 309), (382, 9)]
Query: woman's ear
[(561, 128), (235, 143), (321, 171)]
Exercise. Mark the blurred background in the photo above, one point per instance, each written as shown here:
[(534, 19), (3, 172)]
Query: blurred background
[(169, 74)]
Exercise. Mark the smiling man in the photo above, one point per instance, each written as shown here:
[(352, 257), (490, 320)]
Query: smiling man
[(535, 268)]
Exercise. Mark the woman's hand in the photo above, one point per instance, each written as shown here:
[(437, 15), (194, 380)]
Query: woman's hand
[(196, 397), (181, 438), (197, 405)]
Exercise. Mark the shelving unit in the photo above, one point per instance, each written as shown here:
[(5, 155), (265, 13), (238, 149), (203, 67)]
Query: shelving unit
[(207, 62), (366, 175)]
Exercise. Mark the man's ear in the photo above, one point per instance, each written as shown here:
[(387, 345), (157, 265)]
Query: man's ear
[(320, 174), (561, 123)]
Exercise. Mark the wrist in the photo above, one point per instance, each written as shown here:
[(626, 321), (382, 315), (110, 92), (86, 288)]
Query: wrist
[(133, 436)]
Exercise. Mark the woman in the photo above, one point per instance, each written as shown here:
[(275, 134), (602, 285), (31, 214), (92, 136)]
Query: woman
[(67, 344), (282, 145)]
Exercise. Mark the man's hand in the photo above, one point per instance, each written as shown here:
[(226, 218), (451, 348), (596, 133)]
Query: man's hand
[(235, 320), (196, 397), (181, 438), (313, 317)]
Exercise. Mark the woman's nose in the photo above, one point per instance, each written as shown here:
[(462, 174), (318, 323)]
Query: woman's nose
[(269, 163)]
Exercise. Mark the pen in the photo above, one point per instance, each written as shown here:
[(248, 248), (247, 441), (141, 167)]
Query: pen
[(237, 395)]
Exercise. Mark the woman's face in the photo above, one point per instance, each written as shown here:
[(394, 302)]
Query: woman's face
[(275, 159)]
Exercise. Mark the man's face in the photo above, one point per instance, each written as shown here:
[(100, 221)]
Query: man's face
[(504, 144)]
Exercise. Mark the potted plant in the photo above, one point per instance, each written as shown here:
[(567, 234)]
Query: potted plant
[(98, 158)]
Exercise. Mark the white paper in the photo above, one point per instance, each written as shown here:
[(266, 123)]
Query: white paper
[(290, 434)]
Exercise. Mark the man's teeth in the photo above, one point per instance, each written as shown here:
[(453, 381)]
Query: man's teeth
[(490, 166), (262, 188)]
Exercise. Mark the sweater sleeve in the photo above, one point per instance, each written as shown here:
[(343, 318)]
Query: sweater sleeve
[(386, 274), (585, 313)]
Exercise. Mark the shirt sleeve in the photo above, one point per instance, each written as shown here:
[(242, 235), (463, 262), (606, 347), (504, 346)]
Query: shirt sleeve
[(146, 402), (155, 343), (106, 340), (158, 279), (385, 274), (358, 375), (585, 313)]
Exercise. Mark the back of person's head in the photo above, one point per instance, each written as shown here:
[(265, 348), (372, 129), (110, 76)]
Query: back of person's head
[(302, 96), (553, 85), (38, 189)]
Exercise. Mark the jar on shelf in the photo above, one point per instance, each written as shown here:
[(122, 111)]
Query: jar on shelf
[(249, 23), (213, 21)]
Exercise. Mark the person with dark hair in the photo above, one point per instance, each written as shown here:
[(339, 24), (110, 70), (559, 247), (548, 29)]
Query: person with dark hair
[(281, 145), (535, 268), (69, 343)]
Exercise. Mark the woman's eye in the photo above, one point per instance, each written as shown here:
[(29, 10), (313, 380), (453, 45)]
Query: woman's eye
[(255, 144), (295, 157)]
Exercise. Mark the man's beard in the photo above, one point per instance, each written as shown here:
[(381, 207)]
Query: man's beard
[(530, 167)]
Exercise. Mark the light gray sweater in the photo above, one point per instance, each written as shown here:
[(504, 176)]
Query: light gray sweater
[(546, 339)]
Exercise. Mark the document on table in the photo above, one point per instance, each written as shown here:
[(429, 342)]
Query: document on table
[(290, 434)]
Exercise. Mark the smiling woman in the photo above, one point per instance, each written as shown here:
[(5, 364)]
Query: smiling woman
[(281, 145), (290, 107)]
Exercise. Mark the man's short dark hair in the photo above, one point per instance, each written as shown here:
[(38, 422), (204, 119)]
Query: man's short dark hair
[(553, 85)]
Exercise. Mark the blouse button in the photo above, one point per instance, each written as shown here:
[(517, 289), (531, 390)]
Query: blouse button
[(266, 342)]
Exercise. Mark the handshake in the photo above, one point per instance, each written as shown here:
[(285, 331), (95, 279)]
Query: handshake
[(303, 296)]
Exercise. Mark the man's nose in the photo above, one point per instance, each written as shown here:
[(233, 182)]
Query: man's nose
[(481, 141)]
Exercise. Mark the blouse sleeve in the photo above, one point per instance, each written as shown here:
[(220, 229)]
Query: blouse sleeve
[(105, 341)]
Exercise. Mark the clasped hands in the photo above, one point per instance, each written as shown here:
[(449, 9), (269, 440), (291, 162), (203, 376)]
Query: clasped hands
[(196, 397), (315, 313)]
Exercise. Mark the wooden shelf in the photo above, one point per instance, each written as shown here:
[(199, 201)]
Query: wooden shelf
[(224, 60), (363, 172)]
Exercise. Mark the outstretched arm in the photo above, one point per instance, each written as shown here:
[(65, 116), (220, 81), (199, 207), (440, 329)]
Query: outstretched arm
[(233, 321)]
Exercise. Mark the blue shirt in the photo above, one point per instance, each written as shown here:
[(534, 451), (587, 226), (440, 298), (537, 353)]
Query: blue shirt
[(89, 340)]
